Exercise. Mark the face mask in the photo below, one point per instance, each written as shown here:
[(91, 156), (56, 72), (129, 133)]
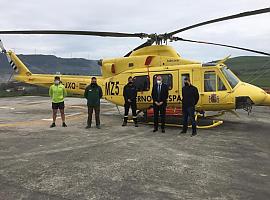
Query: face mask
[(159, 82), (186, 84), (56, 82), (93, 83), (130, 82)]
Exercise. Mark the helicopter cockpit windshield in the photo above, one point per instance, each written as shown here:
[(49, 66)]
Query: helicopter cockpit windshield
[(231, 78)]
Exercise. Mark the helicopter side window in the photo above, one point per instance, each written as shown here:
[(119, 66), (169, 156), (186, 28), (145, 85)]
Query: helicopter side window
[(232, 79), (142, 83), (166, 78), (209, 81), (220, 85)]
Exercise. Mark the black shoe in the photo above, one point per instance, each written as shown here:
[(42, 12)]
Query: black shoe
[(88, 126), (163, 130), (64, 124), (193, 134), (155, 130), (52, 125), (124, 124), (183, 132), (98, 126), (136, 125)]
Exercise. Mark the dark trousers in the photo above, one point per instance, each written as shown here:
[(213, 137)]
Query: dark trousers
[(159, 110), (188, 112), (90, 113), (133, 106)]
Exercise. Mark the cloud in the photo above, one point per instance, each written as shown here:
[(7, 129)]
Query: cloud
[(132, 16)]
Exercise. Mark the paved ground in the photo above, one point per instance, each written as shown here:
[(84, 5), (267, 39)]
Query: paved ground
[(227, 162)]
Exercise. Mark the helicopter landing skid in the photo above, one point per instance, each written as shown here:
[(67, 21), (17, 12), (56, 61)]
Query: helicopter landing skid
[(203, 121), (214, 124)]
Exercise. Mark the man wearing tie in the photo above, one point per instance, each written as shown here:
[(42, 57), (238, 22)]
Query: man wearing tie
[(159, 96)]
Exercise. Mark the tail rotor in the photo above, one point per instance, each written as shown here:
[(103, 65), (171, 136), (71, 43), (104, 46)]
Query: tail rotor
[(3, 50)]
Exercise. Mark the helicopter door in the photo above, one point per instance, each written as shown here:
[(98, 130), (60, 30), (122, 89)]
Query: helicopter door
[(144, 83), (182, 75), (215, 92), (170, 78)]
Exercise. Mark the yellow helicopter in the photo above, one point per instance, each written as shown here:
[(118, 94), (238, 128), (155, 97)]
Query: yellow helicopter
[(220, 89)]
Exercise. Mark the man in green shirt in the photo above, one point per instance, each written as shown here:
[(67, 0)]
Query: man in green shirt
[(93, 94), (57, 93)]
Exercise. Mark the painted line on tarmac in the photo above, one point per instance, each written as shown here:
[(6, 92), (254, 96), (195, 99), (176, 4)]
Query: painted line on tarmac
[(21, 112), (6, 107), (69, 115), (39, 121), (81, 107), (36, 102)]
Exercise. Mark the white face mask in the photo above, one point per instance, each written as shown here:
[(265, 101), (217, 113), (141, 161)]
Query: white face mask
[(56, 82), (159, 82)]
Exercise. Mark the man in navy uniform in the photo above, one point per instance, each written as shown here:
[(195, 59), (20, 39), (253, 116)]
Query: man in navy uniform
[(159, 95), (190, 97), (130, 94)]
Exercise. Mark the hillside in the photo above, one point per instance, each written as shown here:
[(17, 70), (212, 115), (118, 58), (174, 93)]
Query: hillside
[(49, 64), (251, 69)]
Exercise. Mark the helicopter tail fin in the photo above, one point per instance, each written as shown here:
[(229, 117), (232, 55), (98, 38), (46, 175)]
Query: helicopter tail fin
[(15, 62)]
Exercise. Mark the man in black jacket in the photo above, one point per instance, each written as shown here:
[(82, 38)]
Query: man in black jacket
[(190, 97), (159, 96), (130, 94)]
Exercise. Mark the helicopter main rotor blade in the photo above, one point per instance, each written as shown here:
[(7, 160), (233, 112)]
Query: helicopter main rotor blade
[(244, 14), (222, 45), (146, 44), (66, 32)]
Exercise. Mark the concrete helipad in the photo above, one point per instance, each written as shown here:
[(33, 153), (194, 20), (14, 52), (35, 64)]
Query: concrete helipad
[(231, 161)]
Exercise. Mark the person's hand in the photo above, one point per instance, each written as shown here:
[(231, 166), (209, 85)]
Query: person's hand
[(160, 103), (156, 103), (129, 100)]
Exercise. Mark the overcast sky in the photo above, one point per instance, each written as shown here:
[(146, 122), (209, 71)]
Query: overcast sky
[(149, 16)]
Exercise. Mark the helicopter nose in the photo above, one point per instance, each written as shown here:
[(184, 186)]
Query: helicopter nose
[(266, 101), (258, 95)]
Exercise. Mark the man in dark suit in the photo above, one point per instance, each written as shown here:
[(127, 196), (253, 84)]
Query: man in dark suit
[(159, 95), (190, 97)]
